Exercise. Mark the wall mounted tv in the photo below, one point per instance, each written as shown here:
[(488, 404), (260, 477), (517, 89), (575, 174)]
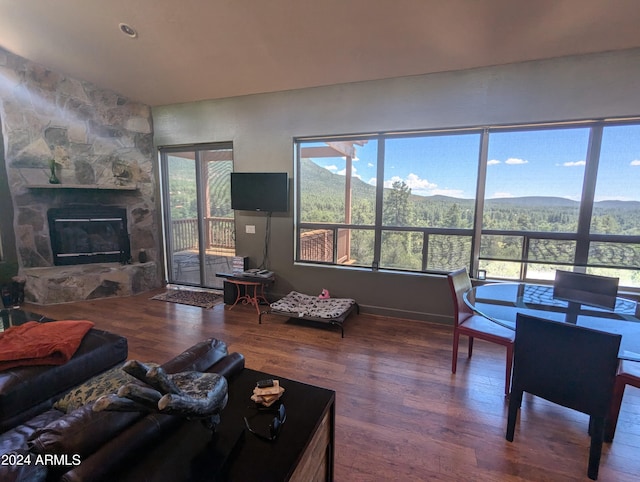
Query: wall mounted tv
[(260, 191)]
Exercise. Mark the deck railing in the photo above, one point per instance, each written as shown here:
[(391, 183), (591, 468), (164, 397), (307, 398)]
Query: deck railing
[(219, 233), (318, 245)]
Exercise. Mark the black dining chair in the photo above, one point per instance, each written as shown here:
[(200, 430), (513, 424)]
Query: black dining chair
[(569, 365), (587, 289), (466, 322)]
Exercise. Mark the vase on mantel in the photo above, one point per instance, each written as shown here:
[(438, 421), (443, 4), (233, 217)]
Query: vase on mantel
[(53, 179)]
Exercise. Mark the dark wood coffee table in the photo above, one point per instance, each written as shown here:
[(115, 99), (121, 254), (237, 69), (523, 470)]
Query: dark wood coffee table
[(304, 449)]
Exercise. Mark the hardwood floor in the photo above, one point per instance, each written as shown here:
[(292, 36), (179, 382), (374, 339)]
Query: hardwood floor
[(401, 413)]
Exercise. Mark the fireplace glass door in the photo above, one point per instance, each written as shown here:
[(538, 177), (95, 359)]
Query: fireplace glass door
[(82, 235), (199, 222)]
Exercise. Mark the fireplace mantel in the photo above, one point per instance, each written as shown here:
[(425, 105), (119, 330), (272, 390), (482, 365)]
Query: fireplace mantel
[(87, 187)]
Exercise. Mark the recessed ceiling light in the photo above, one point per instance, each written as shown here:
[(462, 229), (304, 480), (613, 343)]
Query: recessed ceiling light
[(128, 30)]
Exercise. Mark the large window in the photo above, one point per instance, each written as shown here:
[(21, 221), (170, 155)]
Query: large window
[(517, 202)]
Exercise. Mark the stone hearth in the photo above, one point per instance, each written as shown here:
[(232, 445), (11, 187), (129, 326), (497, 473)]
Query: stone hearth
[(62, 284)]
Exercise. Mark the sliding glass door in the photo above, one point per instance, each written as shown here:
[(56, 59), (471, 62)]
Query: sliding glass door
[(199, 223)]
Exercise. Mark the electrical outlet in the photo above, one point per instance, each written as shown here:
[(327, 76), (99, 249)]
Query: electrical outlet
[(250, 229)]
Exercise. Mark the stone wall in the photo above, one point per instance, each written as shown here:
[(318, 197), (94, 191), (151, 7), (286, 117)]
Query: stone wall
[(102, 147)]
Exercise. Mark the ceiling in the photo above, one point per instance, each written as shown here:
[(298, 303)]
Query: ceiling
[(189, 50)]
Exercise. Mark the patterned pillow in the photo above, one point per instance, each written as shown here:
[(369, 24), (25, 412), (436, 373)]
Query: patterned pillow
[(89, 391)]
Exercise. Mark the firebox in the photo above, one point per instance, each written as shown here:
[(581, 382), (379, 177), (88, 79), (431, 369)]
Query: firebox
[(81, 235)]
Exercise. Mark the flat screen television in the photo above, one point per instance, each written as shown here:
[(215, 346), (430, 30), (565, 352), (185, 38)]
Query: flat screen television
[(260, 191)]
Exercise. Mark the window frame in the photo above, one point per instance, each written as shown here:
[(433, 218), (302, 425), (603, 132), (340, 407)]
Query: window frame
[(582, 236)]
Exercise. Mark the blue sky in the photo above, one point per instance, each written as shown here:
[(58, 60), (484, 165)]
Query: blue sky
[(532, 163)]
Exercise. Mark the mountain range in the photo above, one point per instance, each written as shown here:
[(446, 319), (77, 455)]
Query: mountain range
[(319, 180)]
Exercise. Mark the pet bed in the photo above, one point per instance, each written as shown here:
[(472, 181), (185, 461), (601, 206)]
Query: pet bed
[(306, 307)]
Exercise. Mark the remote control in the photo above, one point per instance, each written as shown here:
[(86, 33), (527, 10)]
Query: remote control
[(264, 383)]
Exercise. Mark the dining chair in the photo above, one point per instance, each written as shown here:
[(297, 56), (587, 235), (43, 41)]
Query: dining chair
[(587, 289), (468, 323), (628, 374), (569, 365)]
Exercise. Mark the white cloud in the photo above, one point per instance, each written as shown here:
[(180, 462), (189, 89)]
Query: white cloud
[(614, 198), (493, 162), (342, 172), (635, 162), (369, 164), (414, 181), (515, 161), (447, 192), (389, 182), (574, 163), (419, 186), (332, 168), (373, 181)]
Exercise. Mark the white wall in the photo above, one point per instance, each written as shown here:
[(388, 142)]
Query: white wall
[(262, 128)]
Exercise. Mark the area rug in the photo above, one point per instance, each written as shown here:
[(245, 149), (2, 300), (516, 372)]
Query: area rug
[(204, 299)]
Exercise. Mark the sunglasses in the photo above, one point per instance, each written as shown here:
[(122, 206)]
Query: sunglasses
[(274, 426)]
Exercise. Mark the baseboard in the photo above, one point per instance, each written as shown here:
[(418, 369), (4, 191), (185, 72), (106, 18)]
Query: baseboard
[(390, 312), (406, 314)]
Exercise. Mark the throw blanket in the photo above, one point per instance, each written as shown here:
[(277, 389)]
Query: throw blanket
[(34, 343)]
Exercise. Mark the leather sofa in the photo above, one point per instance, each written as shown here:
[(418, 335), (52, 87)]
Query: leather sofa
[(30, 390), (83, 445)]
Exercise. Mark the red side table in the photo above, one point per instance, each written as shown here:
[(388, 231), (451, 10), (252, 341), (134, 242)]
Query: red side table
[(253, 292)]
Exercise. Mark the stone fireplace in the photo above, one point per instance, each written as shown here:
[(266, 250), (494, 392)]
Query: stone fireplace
[(78, 239), (80, 243)]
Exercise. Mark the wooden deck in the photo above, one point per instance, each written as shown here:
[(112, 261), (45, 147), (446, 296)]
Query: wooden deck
[(186, 266), (401, 414)]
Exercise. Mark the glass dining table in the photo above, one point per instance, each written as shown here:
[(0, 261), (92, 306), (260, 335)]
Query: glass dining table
[(501, 303)]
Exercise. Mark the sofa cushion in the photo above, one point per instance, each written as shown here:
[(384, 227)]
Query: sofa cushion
[(125, 450), (198, 358), (17, 437), (81, 431), (229, 366), (15, 467), (25, 387)]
